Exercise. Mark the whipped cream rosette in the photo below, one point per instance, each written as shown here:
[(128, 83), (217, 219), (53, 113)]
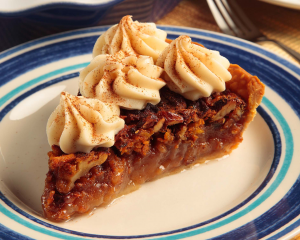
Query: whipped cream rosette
[(192, 70), (129, 81), (79, 124), (132, 37)]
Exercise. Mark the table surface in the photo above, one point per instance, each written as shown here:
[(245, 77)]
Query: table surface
[(275, 22)]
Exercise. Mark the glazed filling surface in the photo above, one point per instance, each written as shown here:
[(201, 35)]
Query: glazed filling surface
[(156, 141)]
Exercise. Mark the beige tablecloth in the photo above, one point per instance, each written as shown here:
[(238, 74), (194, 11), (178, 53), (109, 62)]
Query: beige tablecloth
[(279, 23)]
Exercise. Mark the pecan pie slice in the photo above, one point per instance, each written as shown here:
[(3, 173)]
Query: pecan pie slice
[(148, 107), (156, 141)]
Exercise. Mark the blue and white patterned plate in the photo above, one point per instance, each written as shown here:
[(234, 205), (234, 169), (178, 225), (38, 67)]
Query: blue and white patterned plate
[(254, 193)]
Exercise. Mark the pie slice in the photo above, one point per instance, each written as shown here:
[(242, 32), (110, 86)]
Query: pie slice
[(155, 142), (190, 107)]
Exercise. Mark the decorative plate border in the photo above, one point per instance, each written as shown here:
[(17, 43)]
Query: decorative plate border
[(190, 231)]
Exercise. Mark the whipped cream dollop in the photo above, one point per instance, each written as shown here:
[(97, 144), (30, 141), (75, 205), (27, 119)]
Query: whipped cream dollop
[(132, 37), (129, 81), (79, 124), (192, 70)]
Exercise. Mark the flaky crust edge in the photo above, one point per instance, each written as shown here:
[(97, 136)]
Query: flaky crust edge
[(248, 87)]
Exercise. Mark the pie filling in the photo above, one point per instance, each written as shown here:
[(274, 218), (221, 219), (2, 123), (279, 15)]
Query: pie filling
[(156, 141)]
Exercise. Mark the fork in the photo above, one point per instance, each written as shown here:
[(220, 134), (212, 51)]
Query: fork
[(233, 21)]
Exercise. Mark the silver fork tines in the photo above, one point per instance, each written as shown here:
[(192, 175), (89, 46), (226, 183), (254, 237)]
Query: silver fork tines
[(233, 21)]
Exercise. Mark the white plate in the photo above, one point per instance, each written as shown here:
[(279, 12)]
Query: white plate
[(253, 193), (294, 4)]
